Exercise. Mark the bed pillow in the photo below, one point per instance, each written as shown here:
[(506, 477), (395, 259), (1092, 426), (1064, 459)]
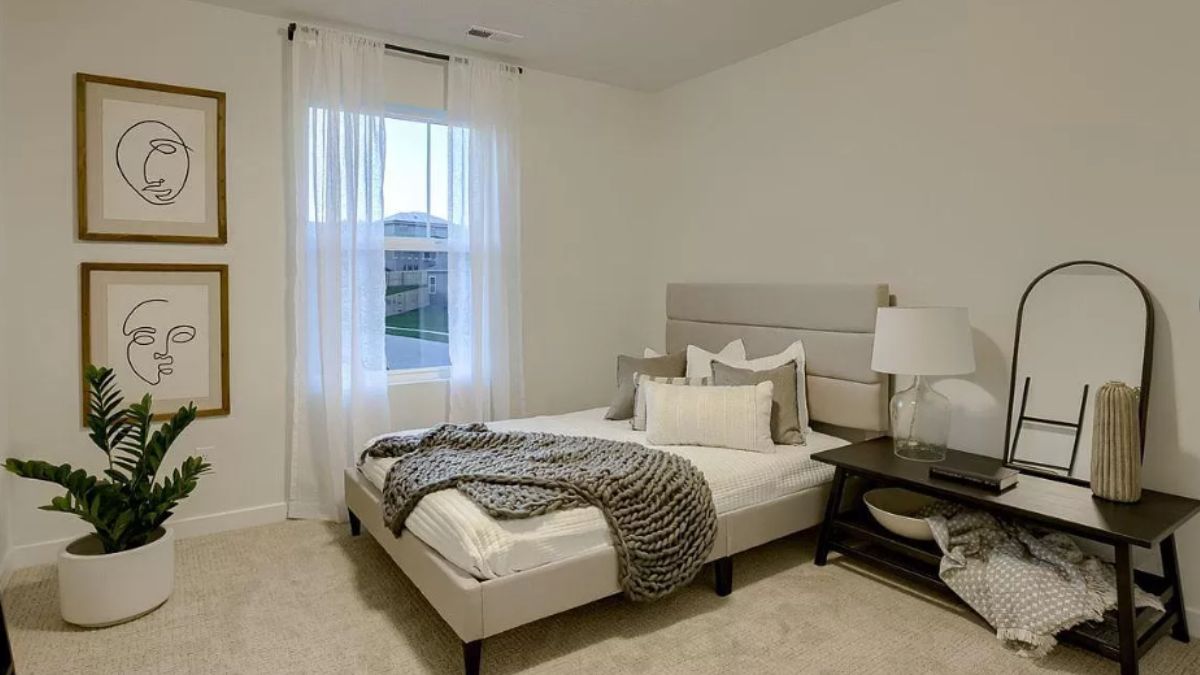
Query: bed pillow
[(721, 417), (622, 404), (794, 352), (736, 349), (671, 365), (699, 360), (639, 396), (785, 422), (702, 358)]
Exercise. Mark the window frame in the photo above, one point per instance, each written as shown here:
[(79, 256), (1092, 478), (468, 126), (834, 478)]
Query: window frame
[(418, 244)]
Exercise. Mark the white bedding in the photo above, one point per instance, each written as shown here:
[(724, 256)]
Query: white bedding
[(487, 548)]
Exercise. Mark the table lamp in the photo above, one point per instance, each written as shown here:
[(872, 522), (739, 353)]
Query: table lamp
[(922, 341)]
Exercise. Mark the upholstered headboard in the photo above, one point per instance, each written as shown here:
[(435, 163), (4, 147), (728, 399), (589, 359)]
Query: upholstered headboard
[(835, 321)]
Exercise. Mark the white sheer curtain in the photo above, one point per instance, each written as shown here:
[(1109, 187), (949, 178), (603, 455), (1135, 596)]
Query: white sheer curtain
[(339, 373), (484, 282)]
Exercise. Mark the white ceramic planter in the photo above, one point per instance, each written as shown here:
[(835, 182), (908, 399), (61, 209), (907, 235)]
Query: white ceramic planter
[(101, 589)]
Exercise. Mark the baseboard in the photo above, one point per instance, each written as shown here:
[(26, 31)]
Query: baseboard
[(1193, 616), (46, 552)]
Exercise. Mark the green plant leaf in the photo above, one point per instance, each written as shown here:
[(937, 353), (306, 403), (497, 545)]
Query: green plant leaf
[(103, 403), (126, 505)]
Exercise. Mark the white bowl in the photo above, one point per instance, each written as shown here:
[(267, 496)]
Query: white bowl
[(893, 508)]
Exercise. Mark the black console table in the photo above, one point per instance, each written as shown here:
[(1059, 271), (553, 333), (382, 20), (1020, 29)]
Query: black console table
[(1124, 636)]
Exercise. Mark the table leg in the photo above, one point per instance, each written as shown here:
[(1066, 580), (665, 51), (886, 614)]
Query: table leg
[(1126, 611), (1170, 566), (831, 511)]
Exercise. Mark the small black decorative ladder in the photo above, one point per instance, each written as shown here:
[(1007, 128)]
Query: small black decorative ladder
[(1022, 419)]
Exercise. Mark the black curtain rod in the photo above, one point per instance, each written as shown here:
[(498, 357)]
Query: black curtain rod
[(397, 48)]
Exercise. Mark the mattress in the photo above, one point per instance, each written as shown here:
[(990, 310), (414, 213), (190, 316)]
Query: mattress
[(487, 548)]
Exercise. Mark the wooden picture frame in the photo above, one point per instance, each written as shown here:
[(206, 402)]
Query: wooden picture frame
[(149, 320), (149, 161)]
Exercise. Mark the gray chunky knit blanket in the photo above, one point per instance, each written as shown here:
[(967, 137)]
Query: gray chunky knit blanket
[(658, 506), (1029, 585)]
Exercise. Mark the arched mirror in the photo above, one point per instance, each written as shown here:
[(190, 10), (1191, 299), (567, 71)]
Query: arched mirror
[(1080, 325)]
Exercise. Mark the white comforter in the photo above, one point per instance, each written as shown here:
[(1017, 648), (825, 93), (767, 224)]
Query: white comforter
[(487, 548)]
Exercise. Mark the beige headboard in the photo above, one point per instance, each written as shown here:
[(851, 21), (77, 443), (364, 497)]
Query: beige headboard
[(835, 321)]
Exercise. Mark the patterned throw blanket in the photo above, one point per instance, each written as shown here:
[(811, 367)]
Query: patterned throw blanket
[(1029, 586), (658, 506)]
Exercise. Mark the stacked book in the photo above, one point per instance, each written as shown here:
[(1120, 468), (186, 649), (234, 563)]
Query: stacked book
[(985, 472)]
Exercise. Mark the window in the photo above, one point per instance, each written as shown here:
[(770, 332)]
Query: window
[(416, 201)]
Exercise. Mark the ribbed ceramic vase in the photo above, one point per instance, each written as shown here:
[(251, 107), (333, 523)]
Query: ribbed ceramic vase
[(1117, 444)]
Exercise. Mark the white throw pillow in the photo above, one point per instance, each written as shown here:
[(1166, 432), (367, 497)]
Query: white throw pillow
[(720, 417), (734, 350), (702, 367), (638, 422)]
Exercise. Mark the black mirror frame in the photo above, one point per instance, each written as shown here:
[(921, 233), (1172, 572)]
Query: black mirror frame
[(1147, 367)]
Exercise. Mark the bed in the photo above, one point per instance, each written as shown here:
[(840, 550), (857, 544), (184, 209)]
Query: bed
[(485, 576)]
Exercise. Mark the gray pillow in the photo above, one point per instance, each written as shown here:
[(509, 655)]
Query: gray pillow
[(671, 365), (785, 420)]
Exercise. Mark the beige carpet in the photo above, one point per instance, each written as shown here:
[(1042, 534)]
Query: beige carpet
[(301, 597)]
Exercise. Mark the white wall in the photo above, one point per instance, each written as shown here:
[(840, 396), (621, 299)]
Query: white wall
[(584, 145), (586, 216), (164, 41), (953, 149), (5, 511)]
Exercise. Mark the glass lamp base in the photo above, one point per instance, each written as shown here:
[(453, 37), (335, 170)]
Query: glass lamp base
[(920, 423), (918, 452)]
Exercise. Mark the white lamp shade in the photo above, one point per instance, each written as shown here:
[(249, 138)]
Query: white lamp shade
[(923, 341)]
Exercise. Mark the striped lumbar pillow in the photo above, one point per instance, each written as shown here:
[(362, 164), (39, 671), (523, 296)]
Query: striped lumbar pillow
[(721, 417), (639, 396)]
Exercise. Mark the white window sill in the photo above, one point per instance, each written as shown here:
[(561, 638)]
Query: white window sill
[(418, 376)]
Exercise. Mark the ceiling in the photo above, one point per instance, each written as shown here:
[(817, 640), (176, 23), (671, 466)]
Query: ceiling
[(639, 44)]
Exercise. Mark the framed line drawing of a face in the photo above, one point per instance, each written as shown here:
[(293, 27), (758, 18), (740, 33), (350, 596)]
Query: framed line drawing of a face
[(150, 160), (163, 329)]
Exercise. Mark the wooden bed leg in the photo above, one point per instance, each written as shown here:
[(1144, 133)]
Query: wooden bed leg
[(355, 525), (472, 656), (724, 569)]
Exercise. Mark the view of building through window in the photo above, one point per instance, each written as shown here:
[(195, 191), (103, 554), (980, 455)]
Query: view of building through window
[(416, 199)]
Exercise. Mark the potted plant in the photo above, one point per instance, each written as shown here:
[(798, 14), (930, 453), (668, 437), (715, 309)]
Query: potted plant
[(126, 568)]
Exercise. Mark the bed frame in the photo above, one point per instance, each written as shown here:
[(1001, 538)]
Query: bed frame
[(846, 399)]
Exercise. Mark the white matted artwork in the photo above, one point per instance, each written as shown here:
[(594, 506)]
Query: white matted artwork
[(151, 161), (163, 329), (158, 162)]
